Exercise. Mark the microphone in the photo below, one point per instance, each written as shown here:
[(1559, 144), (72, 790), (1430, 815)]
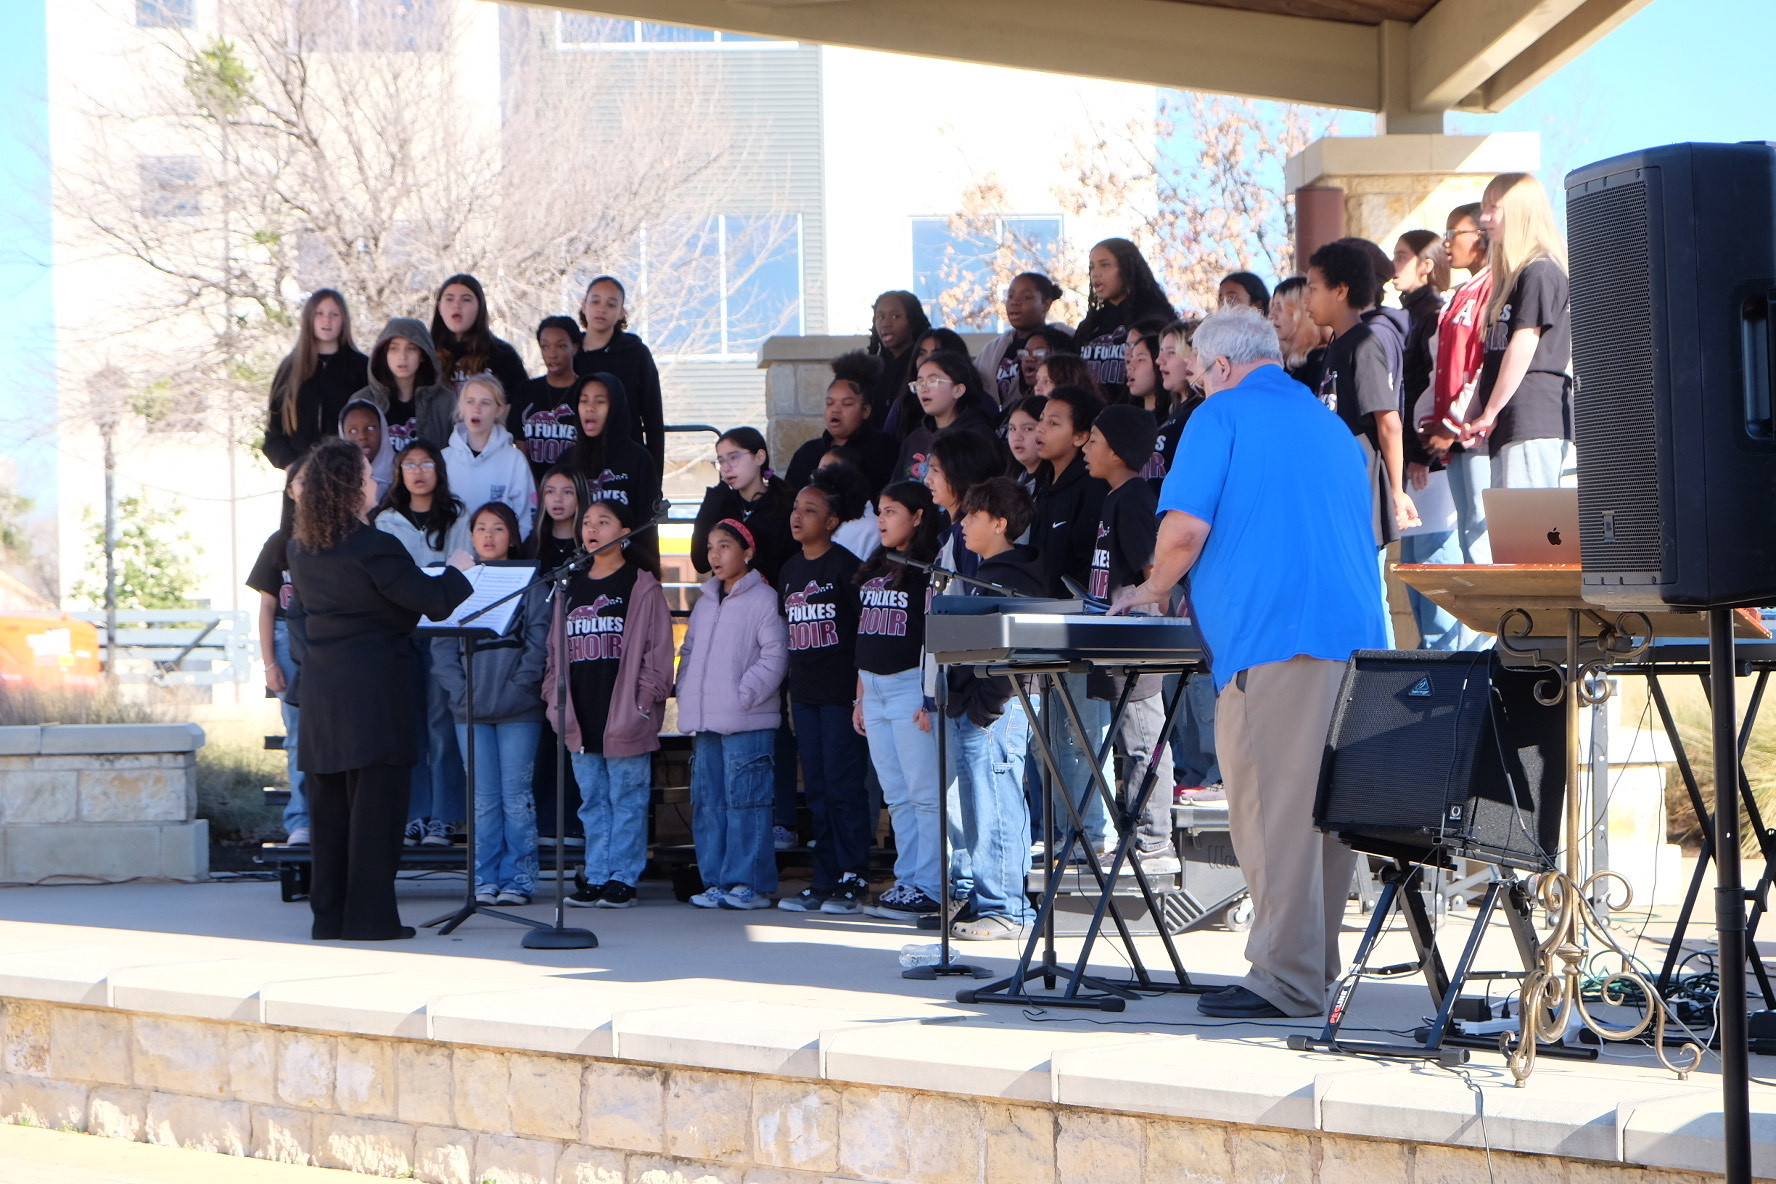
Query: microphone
[(945, 575), (905, 561)]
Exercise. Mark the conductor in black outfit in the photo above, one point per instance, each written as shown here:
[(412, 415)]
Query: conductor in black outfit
[(363, 596)]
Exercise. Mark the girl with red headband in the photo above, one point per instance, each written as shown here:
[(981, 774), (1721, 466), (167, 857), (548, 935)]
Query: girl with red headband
[(730, 668)]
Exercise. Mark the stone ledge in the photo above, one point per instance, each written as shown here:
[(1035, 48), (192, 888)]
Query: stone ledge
[(105, 851), (84, 739)]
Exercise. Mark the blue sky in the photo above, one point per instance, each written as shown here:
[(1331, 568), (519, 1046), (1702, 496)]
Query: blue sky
[(25, 305)]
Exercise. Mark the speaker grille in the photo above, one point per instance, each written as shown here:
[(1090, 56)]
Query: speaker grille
[(1615, 403)]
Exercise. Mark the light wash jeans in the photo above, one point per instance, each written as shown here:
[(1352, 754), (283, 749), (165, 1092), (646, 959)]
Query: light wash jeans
[(1437, 629), (437, 789), (905, 761), (1470, 475), (1535, 464), (296, 811), (987, 778), (1075, 761), (614, 811), (732, 787), (1193, 732), (505, 809)]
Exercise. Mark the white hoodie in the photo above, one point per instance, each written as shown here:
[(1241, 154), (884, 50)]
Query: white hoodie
[(499, 474)]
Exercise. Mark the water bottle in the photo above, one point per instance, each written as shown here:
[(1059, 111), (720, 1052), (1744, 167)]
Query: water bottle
[(918, 954)]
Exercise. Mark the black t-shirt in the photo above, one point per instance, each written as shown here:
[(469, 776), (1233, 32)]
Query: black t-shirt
[(551, 551), (891, 627), (1165, 445), (1128, 524), (1360, 378), (271, 572), (1102, 342), (821, 604), (1541, 409), (403, 425), (596, 610), (545, 418)]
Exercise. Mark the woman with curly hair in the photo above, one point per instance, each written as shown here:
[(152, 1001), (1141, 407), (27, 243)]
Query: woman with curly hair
[(362, 595)]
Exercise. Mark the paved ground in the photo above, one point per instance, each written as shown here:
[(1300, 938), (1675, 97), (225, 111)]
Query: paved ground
[(32, 1156)]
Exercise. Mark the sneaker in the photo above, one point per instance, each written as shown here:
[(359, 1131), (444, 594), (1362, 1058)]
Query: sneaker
[(512, 898), (900, 903), (741, 898), (709, 898), (585, 896), (616, 895), (486, 896), (782, 838), (847, 897), (805, 901), (1215, 792), (437, 834), (298, 837), (1160, 863), (414, 833)]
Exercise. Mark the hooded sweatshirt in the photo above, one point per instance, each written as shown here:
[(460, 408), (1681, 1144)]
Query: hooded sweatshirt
[(382, 464), (982, 700), (498, 473), (1066, 525), (629, 358), (915, 450), (612, 463), (429, 416), (733, 660), (318, 404), (508, 669), (643, 681)]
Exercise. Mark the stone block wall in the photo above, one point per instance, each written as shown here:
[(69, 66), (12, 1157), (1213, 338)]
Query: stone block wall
[(462, 1114), (110, 802)]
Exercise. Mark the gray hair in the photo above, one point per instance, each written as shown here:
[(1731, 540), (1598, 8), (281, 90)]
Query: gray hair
[(1239, 334)]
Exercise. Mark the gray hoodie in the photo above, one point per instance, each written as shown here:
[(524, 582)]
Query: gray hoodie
[(434, 403), (382, 464)]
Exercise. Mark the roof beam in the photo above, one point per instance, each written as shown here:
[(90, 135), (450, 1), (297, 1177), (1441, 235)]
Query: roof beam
[(1182, 45), (1459, 44), (1560, 45)]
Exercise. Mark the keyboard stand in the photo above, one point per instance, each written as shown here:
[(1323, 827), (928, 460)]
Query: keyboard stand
[(1083, 990)]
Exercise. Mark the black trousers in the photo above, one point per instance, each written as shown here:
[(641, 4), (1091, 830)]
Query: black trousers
[(356, 818)]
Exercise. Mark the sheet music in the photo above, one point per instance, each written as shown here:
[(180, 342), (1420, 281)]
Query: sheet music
[(491, 581)]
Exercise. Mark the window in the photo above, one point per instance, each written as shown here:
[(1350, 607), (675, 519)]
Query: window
[(166, 14), (370, 26), (970, 265), (578, 30), (719, 288), (170, 186)]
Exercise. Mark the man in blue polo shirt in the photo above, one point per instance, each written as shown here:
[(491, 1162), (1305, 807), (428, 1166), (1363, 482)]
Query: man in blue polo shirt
[(1268, 509)]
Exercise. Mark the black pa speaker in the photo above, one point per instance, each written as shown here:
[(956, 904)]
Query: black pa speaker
[(1673, 261), (1434, 755)]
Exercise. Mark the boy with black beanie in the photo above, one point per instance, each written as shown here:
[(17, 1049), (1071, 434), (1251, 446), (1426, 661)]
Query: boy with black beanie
[(1121, 441)]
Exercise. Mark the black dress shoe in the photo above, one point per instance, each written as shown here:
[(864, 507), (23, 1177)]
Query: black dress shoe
[(1237, 1003)]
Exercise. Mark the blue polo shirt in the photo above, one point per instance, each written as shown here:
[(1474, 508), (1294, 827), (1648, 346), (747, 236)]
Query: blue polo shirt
[(1289, 566)]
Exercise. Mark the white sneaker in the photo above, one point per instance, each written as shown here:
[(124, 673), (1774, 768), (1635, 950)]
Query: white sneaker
[(511, 898), (709, 898), (298, 837), (741, 898), (437, 834)]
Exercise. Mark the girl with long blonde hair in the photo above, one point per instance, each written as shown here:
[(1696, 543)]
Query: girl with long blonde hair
[(1525, 392)]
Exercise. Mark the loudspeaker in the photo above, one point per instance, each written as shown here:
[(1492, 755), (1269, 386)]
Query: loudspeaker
[(1434, 755), (1673, 263)]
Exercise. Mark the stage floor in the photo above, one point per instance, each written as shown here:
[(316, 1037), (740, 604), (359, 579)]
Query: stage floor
[(822, 996)]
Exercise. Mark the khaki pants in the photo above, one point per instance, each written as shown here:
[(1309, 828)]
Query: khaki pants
[(1270, 732)]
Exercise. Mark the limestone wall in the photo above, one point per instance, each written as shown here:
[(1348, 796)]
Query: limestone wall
[(102, 802), (463, 1114)]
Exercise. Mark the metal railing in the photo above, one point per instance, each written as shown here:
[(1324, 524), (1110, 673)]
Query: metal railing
[(179, 647)]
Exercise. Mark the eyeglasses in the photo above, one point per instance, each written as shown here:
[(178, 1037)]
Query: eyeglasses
[(1033, 355), (1455, 234), (417, 466), (929, 383)]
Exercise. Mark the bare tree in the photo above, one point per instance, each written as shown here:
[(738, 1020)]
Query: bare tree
[(1199, 187)]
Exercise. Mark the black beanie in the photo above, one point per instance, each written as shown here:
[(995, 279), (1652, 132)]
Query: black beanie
[(1130, 431)]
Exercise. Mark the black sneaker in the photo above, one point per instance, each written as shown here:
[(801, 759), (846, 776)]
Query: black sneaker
[(805, 901), (584, 895), (616, 895), (847, 897), (964, 911), (900, 903)]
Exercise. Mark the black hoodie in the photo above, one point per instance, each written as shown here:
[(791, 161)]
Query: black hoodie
[(876, 447), (629, 358), (1065, 527), (502, 360), (337, 377), (982, 700), (915, 450), (1102, 340), (766, 516), (612, 463)]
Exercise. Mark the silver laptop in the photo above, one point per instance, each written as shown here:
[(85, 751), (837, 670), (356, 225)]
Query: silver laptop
[(1533, 525)]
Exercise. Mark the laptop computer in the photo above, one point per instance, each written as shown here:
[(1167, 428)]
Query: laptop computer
[(1533, 525)]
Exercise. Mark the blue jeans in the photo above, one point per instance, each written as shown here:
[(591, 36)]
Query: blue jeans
[(905, 760), (731, 791), (1075, 761), (296, 812), (1437, 629), (832, 776), (614, 810), (1535, 464), (1470, 475), (505, 811), (437, 789), (987, 783), (1193, 731)]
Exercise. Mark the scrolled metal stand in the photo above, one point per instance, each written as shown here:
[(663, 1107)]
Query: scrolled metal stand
[(1553, 994)]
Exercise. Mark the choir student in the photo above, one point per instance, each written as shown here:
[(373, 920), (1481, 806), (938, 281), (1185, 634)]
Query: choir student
[(609, 348), (403, 382), (487, 465), (314, 381), (465, 343)]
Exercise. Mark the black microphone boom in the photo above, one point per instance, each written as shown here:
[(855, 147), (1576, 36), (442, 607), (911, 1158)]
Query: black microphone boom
[(946, 575)]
